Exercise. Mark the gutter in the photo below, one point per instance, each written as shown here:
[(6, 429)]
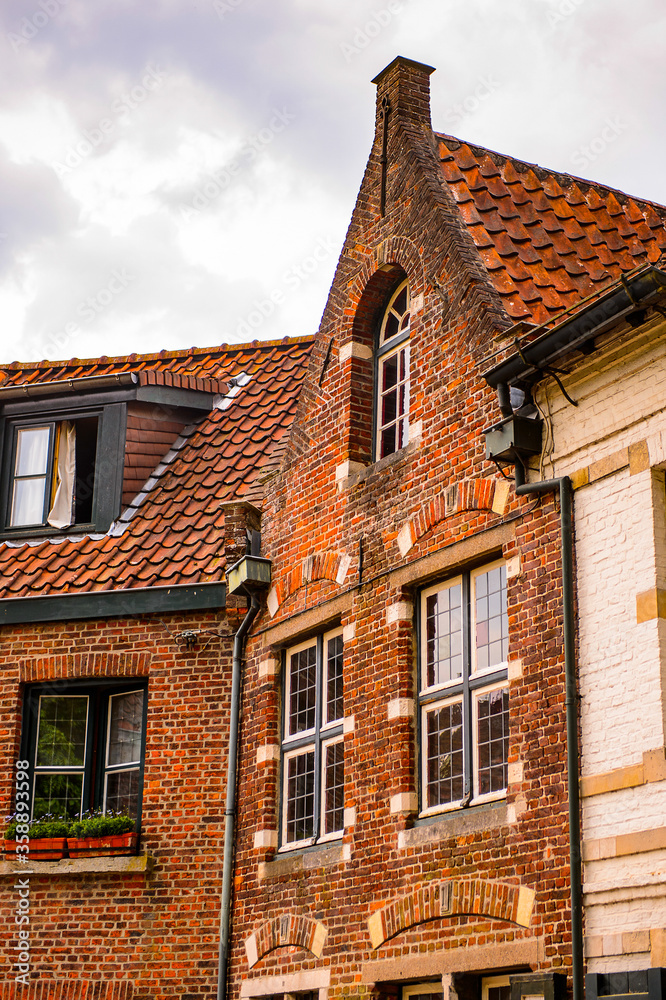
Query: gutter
[(59, 386), (633, 292), (230, 808), (562, 486)]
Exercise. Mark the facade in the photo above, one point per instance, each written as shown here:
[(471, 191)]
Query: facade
[(116, 652), (409, 817), (432, 683)]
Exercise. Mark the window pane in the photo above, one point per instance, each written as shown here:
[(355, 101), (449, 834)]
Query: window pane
[(122, 792), (32, 451), (125, 721), (58, 794), (388, 445), (389, 407), (493, 740), (444, 758), (28, 502), (444, 636), (389, 372), (302, 689), (300, 796), (492, 633), (61, 738), (334, 782), (334, 699)]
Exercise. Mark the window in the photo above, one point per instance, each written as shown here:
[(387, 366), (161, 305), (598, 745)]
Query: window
[(312, 747), (496, 988), (464, 697), (392, 408), (85, 748), (50, 472)]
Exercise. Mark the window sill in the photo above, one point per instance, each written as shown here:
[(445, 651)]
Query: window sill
[(454, 824), (123, 865), (325, 855), (383, 463)]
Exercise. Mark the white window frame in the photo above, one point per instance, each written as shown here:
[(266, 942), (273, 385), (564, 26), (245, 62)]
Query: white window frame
[(387, 347), (315, 739), (466, 689), (490, 981)]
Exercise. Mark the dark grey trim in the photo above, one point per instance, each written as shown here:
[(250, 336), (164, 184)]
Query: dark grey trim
[(112, 603), (623, 298)]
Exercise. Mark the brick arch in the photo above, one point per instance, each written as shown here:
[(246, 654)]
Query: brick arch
[(469, 494), (328, 565), (458, 897), (289, 929), (75, 665)]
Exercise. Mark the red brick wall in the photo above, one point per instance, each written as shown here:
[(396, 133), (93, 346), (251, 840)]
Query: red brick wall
[(311, 510), (153, 933)]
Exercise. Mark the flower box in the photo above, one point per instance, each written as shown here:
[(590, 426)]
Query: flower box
[(41, 849), (111, 844)]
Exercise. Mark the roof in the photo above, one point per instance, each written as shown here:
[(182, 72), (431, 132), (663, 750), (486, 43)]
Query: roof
[(547, 239), (173, 532)]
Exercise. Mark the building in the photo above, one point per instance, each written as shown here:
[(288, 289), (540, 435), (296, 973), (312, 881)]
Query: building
[(116, 649), (380, 526), (409, 762)]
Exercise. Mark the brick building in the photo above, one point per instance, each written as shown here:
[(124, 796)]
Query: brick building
[(116, 650), (408, 766), (409, 817)]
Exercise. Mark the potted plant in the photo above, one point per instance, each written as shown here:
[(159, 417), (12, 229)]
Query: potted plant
[(99, 833), (47, 837)]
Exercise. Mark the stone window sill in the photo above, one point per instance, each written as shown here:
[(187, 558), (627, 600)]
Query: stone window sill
[(454, 824), (123, 865), (321, 856)]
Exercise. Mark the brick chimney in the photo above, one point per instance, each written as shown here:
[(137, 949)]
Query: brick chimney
[(407, 85)]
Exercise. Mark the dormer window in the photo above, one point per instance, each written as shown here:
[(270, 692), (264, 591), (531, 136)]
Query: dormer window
[(53, 473), (392, 407)]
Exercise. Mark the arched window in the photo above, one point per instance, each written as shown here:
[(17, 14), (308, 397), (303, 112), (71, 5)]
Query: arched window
[(392, 400)]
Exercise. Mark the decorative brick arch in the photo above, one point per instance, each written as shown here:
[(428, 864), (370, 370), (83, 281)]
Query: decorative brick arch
[(469, 494), (459, 897), (329, 565), (69, 989), (76, 665), (289, 929)]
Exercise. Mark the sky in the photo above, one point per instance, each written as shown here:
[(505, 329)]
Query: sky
[(178, 173)]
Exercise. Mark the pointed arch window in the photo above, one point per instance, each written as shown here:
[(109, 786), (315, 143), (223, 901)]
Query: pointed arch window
[(392, 400)]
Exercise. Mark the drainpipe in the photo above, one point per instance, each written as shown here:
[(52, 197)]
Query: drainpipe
[(230, 808), (563, 486)]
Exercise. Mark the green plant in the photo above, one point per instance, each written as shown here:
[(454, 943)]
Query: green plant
[(97, 824), (46, 826)]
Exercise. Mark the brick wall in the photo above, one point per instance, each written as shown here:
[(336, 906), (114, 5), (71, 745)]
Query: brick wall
[(153, 933), (411, 518)]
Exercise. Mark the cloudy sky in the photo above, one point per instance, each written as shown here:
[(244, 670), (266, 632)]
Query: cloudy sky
[(182, 172)]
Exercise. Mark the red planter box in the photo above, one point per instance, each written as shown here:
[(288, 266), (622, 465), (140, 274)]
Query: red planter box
[(41, 849), (91, 847)]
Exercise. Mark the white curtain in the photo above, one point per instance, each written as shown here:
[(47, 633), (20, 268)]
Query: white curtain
[(61, 513)]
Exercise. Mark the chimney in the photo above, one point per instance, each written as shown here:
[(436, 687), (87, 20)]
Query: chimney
[(406, 84)]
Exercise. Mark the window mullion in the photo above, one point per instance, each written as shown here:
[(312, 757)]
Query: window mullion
[(319, 699), (467, 696)]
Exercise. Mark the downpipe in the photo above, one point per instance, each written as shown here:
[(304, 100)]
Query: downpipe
[(230, 807), (563, 487)]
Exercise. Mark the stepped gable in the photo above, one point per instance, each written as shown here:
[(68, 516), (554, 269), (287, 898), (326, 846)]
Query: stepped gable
[(173, 531), (547, 239)]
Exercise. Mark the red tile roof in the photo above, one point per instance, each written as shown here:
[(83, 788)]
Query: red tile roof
[(547, 239), (173, 533)]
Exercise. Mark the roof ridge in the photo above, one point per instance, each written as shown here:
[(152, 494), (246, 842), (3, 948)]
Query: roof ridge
[(134, 358), (551, 172)]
